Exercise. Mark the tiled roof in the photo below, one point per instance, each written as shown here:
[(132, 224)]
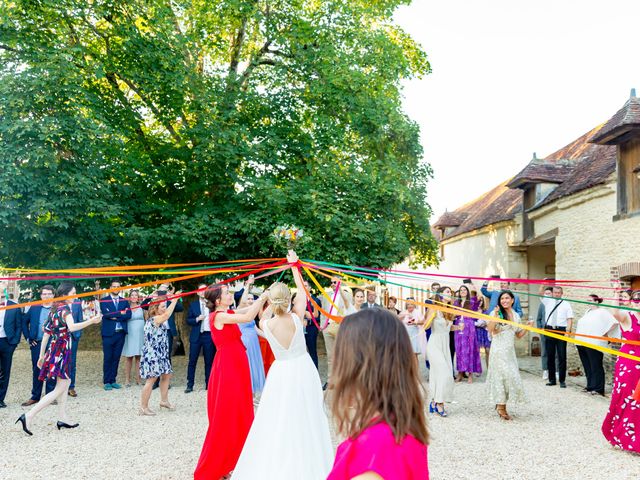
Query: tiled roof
[(499, 204), (541, 171), (450, 219), (625, 120)]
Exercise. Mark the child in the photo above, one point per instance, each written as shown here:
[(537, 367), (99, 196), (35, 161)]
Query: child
[(377, 401)]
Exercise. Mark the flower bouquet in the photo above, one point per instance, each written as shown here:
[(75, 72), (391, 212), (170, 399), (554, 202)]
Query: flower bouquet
[(289, 236)]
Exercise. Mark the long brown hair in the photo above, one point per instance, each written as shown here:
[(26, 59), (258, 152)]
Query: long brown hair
[(375, 375), (449, 300)]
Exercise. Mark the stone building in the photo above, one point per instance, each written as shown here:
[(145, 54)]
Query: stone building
[(574, 214)]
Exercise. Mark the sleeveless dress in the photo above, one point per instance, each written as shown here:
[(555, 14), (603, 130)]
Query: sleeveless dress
[(155, 352), (290, 438), (467, 346), (503, 374), (376, 450), (256, 366), (57, 357), (439, 356), (229, 404), (134, 340), (621, 426)]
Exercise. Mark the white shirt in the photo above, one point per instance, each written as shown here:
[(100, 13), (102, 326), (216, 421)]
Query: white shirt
[(597, 322), (339, 302), (205, 326), (560, 317), (3, 334)]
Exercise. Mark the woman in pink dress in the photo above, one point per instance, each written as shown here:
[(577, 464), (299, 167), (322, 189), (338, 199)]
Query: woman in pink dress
[(621, 426), (377, 405)]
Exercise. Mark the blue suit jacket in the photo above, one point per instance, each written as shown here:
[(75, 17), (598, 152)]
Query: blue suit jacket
[(111, 315), (31, 322), (13, 323), (76, 313), (193, 313)]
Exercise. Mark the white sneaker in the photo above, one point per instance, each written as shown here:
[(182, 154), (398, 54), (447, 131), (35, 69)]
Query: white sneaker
[(545, 374)]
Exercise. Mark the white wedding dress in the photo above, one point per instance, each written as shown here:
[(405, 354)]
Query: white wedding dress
[(289, 438)]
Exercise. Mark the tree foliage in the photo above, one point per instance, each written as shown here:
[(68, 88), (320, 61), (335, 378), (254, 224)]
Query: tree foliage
[(147, 131)]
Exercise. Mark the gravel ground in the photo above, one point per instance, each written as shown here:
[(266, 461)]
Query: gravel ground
[(556, 435)]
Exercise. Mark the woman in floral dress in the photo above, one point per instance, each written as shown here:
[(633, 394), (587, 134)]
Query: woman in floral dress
[(621, 426), (503, 373), (55, 357), (155, 360)]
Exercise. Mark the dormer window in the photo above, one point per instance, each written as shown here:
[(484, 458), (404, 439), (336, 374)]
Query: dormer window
[(623, 130)]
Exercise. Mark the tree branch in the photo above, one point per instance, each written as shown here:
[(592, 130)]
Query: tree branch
[(11, 49), (176, 136)]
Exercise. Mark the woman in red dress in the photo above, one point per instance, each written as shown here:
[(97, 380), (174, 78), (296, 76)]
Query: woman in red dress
[(229, 397)]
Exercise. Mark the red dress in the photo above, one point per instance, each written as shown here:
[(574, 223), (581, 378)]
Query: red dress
[(229, 404)]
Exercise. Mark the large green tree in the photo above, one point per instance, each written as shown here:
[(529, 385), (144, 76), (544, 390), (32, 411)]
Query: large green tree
[(145, 131)]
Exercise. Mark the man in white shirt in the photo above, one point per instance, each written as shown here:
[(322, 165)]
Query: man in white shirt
[(559, 317), (199, 339), (371, 300)]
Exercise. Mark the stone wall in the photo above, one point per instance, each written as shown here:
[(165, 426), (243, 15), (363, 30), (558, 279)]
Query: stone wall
[(590, 245)]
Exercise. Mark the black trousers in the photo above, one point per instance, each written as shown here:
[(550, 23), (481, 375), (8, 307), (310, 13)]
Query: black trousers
[(205, 345), (559, 348), (592, 362), (6, 357), (311, 339), (36, 384)]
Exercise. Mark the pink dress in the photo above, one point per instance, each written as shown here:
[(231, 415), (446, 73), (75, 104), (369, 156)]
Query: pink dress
[(375, 450), (621, 426)]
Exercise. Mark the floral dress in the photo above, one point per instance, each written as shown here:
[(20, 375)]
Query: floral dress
[(503, 374), (621, 426), (155, 351), (57, 357)]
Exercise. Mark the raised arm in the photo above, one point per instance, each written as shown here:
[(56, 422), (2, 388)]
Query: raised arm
[(249, 314), (300, 302), (160, 319), (74, 327)]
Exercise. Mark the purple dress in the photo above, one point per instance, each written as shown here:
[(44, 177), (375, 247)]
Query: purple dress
[(467, 345)]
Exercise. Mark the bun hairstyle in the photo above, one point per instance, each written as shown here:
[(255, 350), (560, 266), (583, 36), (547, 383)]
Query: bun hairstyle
[(279, 298), (596, 298), (212, 295)]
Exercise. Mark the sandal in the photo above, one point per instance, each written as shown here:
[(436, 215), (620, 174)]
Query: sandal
[(502, 411), (146, 412)]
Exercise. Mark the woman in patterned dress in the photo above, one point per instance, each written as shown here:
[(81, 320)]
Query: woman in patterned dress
[(621, 425), (55, 357), (503, 373), (155, 360)]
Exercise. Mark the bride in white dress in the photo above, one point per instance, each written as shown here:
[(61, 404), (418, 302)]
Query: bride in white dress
[(289, 438)]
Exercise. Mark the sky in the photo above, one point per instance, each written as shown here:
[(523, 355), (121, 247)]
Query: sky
[(511, 78)]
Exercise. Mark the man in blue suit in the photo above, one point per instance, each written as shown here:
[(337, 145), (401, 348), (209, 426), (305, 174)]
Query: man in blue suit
[(115, 314), (10, 331), (199, 339), (32, 322)]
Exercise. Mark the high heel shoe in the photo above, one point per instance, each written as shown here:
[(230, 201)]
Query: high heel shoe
[(145, 412), (66, 425), (23, 420), (441, 413), (168, 406), (432, 408)]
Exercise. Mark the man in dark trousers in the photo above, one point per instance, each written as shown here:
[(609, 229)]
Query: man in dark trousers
[(199, 339), (311, 330), (10, 332), (115, 315)]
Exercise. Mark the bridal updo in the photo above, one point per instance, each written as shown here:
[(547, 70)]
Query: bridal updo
[(279, 298)]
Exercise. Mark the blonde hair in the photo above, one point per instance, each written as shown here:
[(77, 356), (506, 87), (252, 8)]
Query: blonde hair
[(279, 297)]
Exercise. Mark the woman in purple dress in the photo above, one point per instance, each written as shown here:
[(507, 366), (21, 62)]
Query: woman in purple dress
[(467, 349), (481, 327)]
